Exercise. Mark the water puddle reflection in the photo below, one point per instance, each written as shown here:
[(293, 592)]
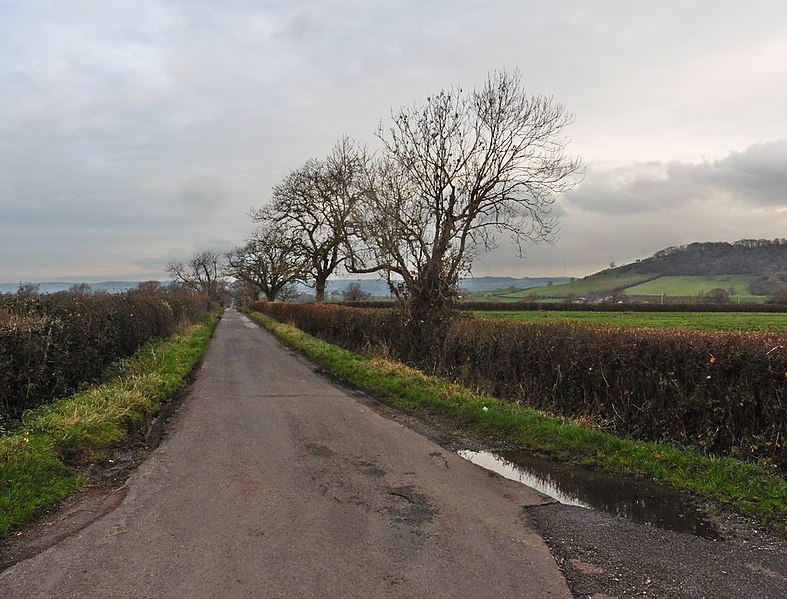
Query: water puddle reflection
[(641, 501)]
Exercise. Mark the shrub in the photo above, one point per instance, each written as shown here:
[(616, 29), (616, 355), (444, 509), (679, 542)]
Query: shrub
[(356, 329), (724, 393), (49, 345)]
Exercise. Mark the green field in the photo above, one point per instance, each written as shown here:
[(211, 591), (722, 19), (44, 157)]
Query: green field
[(609, 282), (604, 282), (692, 286), (708, 321)]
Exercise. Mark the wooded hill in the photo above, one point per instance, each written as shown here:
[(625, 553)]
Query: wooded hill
[(744, 257), (765, 259), (749, 270)]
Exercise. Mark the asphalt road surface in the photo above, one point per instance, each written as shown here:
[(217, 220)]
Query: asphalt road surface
[(276, 483)]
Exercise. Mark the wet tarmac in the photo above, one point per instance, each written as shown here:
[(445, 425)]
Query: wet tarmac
[(637, 500)]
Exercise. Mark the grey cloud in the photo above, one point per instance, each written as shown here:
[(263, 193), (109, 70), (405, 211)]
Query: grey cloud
[(756, 176), (300, 28), (630, 189), (200, 197)]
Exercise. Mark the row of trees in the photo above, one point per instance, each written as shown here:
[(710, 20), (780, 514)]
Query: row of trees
[(450, 175)]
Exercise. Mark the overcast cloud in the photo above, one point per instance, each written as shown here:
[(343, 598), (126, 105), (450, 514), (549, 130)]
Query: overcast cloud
[(134, 132)]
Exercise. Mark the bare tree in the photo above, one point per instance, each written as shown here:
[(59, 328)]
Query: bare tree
[(148, 288), (28, 290), (453, 173), (80, 290), (355, 293), (268, 262), (779, 296), (202, 274), (313, 204)]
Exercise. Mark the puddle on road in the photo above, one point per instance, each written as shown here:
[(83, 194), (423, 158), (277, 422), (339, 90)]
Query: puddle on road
[(640, 501)]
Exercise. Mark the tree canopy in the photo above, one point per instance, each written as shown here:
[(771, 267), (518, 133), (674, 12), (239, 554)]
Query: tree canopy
[(202, 274), (454, 172), (268, 262), (313, 205)]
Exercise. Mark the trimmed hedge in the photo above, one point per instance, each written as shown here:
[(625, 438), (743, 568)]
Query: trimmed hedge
[(49, 345), (356, 329), (722, 393)]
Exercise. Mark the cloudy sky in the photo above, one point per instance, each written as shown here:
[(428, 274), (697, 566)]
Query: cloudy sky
[(134, 132)]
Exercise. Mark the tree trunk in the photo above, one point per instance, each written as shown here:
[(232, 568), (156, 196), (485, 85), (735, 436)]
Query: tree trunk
[(427, 314), (319, 291)]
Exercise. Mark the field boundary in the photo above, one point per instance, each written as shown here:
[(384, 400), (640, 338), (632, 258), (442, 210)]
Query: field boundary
[(720, 392)]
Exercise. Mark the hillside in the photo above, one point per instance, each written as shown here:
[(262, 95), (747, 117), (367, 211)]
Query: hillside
[(749, 270), (745, 257), (605, 282)]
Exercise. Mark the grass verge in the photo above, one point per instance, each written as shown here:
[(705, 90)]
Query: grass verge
[(39, 461), (747, 488)]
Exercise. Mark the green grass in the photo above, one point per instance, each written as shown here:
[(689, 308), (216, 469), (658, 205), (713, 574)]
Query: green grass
[(692, 286), (642, 285), (40, 461), (707, 321), (746, 487), (604, 282)]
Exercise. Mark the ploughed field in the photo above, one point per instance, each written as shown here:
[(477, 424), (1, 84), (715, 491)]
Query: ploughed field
[(706, 321)]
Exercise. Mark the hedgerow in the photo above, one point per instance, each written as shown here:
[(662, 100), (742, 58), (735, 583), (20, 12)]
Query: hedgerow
[(49, 345), (536, 306), (722, 393), (356, 329)]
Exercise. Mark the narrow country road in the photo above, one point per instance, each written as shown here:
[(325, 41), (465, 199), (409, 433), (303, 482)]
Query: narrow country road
[(276, 483)]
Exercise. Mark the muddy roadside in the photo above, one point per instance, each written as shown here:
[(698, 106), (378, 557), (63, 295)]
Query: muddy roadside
[(104, 492), (605, 555)]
